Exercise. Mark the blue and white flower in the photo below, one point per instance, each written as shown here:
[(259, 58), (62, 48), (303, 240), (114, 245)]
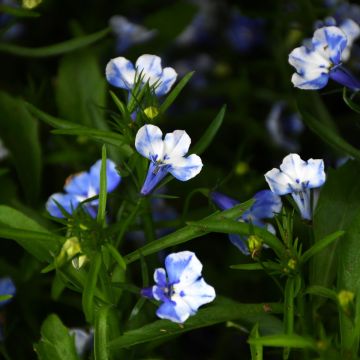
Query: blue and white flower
[(7, 287), (121, 72), (83, 340), (166, 156), (284, 126), (128, 33), (297, 177), (322, 60), (265, 206), (180, 287), (81, 187), (349, 27)]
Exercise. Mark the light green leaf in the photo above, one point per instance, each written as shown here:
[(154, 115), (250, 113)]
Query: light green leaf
[(256, 349), (56, 49), (220, 311), (19, 131), (56, 343), (321, 291), (283, 340)]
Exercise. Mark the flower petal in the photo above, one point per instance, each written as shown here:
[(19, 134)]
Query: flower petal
[(278, 182), (266, 205), (183, 267), (160, 277), (186, 168), (196, 294), (176, 144), (78, 184), (112, 177), (154, 175), (120, 72), (222, 201), (149, 143), (330, 42), (177, 312), (240, 242), (68, 201), (149, 66), (314, 173), (315, 79), (166, 81)]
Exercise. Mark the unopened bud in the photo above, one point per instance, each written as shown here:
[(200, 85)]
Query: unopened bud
[(151, 112), (345, 299)]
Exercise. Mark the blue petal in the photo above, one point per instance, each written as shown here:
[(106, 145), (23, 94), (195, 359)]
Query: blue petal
[(149, 143), (303, 202), (155, 174), (240, 242), (186, 168), (7, 287), (344, 77), (120, 72), (176, 312), (147, 292), (78, 184), (68, 201), (160, 277), (183, 267), (222, 201), (159, 293), (266, 205), (112, 177), (166, 81)]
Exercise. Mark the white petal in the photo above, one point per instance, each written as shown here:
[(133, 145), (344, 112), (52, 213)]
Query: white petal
[(178, 311), (120, 72), (196, 294), (183, 267), (314, 173), (176, 144), (294, 167), (278, 182), (167, 80), (149, 66), (186, 168), (149, 143)]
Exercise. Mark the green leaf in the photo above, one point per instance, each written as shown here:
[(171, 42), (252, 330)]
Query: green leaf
[(81, 90), (220, 311), (90, 286), (283, 340), (70, 128), (175, 92), (18, 11), (349, 102), (186, 233), (320, 245), (34, 238), (267, 265), (322, 291), (255, 349), (228, 226), (329, 135), (56, 49), (5, 297), (100, 334), (19, 131), (101, 215), (210, 133), (56, 343)]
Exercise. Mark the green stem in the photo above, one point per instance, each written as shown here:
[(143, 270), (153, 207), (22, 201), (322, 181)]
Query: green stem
[(101, 336), (288, 312)]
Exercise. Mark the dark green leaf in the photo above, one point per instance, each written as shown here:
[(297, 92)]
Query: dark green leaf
[(283, 340), (56, 343), (210, 133), (19, 131), (267, 265), (349, 102), (101, 215), (54, 50), (222, 310), (18, 11)]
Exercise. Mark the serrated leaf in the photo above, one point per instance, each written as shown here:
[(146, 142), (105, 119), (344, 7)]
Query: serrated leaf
[(55, 49), (56, 343), (221, 310), (19, 132)]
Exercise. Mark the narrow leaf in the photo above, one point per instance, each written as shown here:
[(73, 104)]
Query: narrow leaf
[(351, 104), (321, 291), (56, 49), (103, 190), (256, 349), (283, 340)]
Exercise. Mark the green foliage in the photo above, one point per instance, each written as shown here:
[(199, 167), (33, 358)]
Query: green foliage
[(56, 343)]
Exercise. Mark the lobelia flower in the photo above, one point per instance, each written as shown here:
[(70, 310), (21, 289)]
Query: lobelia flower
[(297, 177), (81, 187), (121, 72), (322, 60), (128, 33), (265, 206), (284, 126), (349, 27), (7, 287), (180, 287), (166, 156)]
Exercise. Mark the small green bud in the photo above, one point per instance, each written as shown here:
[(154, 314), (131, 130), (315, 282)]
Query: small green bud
[(241, 168), (254, 245), (345, 299), (151, 112), (292, 264)]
